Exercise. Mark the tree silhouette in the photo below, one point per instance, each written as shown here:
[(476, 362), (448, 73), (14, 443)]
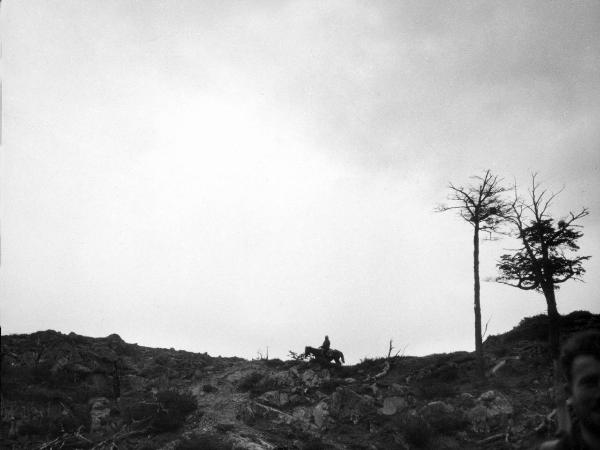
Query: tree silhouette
[(482, 206), (544, 261), (545, 258)]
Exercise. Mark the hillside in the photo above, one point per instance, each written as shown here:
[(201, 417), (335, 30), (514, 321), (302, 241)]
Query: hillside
[(71, 391)]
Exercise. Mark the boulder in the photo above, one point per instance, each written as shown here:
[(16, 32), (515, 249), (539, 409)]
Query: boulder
[(347, 405), (310, 378), (440, 415), (313, 379), (436, 408), (466, 399), (392, 405), (492, 411), (272, 398), (321, 415), (302, 418), (99, 412), (238, 442), (400, 389), (284, 398)]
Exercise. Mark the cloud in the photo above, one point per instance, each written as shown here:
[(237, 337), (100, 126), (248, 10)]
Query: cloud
[(275, 164)]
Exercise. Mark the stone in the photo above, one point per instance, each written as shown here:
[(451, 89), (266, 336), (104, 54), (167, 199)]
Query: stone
[(392, 405), (466, 399), (310, 378), (347, 405), (272, 398), (435, 411), (99, 411), (59, 364), (492, 411), (321, 415), (247, 443), (400, 388), (302, 418), (284, 398)]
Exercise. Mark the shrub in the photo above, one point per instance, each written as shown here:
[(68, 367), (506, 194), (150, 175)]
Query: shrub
[(446, 373), (172, 411), (166, 413), (329, 386), (274, 363), (250, 382), (431, 389), (163, 359), (257, 383), (415, 430), (174, 401)]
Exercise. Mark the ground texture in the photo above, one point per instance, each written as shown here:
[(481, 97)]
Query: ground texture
[(72, 391)]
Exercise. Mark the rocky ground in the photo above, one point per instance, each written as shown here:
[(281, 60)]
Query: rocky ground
[(71, 391)]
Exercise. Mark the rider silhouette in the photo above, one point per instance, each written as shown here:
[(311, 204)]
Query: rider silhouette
[(326, 346)]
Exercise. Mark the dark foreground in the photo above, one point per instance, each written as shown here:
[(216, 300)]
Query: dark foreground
[(71, 391)]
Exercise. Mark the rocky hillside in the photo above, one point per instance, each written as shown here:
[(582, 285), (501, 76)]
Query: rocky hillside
[(71, 391)]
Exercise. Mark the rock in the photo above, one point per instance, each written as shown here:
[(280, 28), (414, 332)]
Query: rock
[(247, 443), (308, 377), (269, 398), (436, 409), (325, 375), (284, 398), (275, 398), (347, 405), (434, 412), (246, 414), (283, 378), (61, 362), (99, 411), (392, 405), (302, 418), (491, 412), (321, 414), (237, 375), (311, 379), (272, 398), (466, 399), (400, 388), (374, 389)]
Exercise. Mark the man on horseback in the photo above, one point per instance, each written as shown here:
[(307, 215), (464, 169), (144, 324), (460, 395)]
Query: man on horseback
[(324, 353), (326, 347)]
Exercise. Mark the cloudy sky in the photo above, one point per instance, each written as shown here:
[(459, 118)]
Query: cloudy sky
[(230, 176)]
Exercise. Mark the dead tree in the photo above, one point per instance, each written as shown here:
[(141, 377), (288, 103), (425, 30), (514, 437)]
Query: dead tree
[(482, 206)]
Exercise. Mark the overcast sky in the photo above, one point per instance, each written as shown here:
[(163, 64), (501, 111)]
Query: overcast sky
[(229, 176)]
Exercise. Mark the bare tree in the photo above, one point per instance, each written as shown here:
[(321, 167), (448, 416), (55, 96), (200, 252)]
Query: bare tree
[(482, 206), (544, 259)]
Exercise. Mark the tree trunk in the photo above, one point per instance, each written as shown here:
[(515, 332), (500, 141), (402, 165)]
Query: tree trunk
[(562, 417), (477, 305), (553, 322)]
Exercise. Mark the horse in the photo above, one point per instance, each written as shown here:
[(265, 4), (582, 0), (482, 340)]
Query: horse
[(318, 353)]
